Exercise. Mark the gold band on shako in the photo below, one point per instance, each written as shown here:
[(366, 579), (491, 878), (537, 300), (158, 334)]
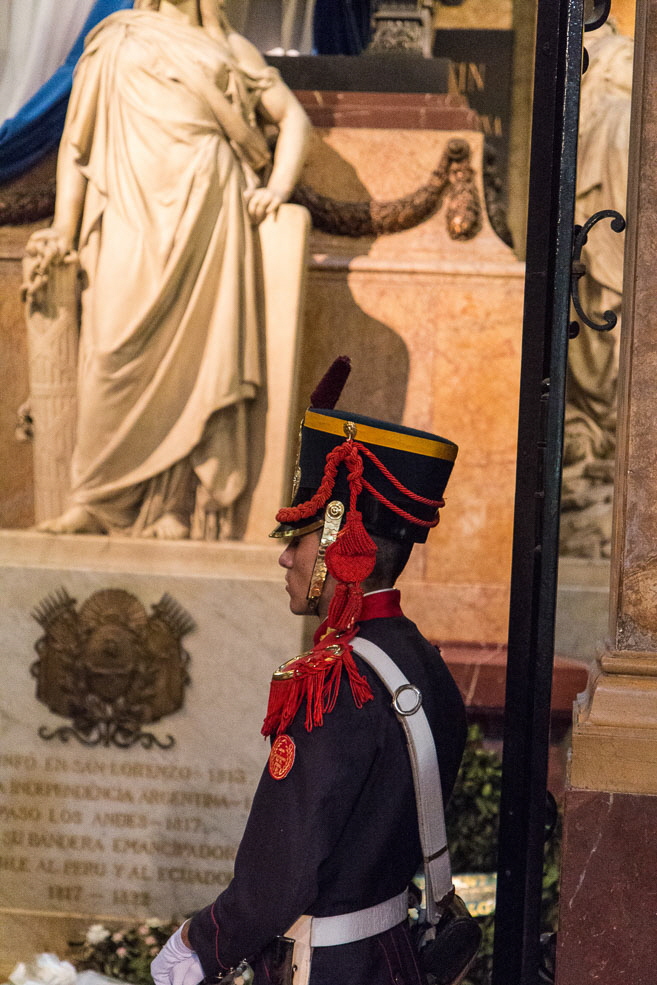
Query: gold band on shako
[(414, 444), (406, 470)]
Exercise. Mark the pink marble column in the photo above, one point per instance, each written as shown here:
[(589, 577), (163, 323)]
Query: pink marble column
[(608, 913)]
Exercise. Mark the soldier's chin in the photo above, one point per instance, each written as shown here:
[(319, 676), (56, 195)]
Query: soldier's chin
[(300, 607)]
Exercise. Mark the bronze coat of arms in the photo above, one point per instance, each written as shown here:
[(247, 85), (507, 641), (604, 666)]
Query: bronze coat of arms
[(110, 666)]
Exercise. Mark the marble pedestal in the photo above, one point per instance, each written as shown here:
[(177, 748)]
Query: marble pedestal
[(95, 831)]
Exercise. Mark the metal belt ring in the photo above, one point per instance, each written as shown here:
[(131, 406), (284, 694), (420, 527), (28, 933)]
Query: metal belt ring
[(399, 692)]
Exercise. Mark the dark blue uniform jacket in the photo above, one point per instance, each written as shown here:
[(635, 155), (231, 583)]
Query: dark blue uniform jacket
[(339, 832)]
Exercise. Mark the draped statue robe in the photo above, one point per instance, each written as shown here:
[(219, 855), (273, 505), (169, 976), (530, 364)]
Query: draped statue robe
[(169, 343)]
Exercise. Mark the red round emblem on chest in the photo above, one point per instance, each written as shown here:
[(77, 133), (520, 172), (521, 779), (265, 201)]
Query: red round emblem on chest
[(281, 757)]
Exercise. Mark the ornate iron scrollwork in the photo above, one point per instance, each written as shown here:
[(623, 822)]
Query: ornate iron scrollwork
[(578, 269)]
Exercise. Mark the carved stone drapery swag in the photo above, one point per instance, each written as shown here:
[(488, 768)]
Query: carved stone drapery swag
[(452, 180)]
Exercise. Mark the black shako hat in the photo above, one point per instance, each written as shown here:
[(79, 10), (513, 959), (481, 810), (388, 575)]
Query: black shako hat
[(404, 475), (355, 477)]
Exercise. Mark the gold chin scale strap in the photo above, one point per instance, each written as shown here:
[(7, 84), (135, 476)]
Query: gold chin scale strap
[(332, 521)]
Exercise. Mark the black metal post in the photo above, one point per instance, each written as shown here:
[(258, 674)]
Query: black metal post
[(558, 61)]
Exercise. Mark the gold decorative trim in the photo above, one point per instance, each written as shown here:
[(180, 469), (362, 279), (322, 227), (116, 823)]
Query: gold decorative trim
[(287, 670), (413, 443)]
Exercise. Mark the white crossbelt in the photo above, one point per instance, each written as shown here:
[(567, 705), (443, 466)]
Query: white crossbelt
[(407, 703)]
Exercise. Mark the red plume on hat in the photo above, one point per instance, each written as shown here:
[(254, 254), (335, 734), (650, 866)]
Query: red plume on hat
[(329, 389)]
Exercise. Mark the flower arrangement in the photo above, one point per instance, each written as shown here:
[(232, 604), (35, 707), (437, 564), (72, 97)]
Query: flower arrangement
[(472, 818), (125, 954)]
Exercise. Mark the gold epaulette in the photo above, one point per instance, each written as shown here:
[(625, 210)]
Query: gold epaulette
[(320, 658)]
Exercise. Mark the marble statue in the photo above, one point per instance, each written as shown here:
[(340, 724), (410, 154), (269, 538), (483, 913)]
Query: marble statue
[(163, 174), (590, 437)]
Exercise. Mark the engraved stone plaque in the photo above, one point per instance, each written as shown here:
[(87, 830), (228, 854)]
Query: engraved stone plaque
[(127, 762)]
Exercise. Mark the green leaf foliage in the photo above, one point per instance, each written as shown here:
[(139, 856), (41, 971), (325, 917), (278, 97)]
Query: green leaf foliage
[(472, 817)]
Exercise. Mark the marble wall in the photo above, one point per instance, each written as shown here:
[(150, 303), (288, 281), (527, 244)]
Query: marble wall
[(608, 927)]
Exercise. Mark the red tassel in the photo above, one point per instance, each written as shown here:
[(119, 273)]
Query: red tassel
[(351, 557), (284, 702), (344, 608), (316, 676), (349, 560)]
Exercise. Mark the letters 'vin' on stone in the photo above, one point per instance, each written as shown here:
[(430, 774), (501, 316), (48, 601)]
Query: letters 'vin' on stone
[(124, 669)]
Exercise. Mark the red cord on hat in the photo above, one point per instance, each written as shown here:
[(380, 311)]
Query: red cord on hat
[(436, 504), (292, 514), (351, 558)]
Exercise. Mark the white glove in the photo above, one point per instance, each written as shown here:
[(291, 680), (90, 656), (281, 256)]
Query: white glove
[(176, 964)]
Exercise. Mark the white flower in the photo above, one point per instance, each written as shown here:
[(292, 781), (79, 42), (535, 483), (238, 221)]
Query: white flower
[(97, 934), (19, 974), (51, 971), (47, 969)]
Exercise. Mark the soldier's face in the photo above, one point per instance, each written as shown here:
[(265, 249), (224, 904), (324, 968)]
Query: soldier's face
[(298, 559)]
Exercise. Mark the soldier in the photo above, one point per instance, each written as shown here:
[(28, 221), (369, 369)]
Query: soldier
[(333, 831)]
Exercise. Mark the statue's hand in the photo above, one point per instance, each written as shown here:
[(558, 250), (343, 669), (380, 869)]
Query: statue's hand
[(49, 245), (44, 248), (261, 202)]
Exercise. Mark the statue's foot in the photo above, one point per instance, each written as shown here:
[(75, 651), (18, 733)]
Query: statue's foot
[(77, 520), (168, 527)]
